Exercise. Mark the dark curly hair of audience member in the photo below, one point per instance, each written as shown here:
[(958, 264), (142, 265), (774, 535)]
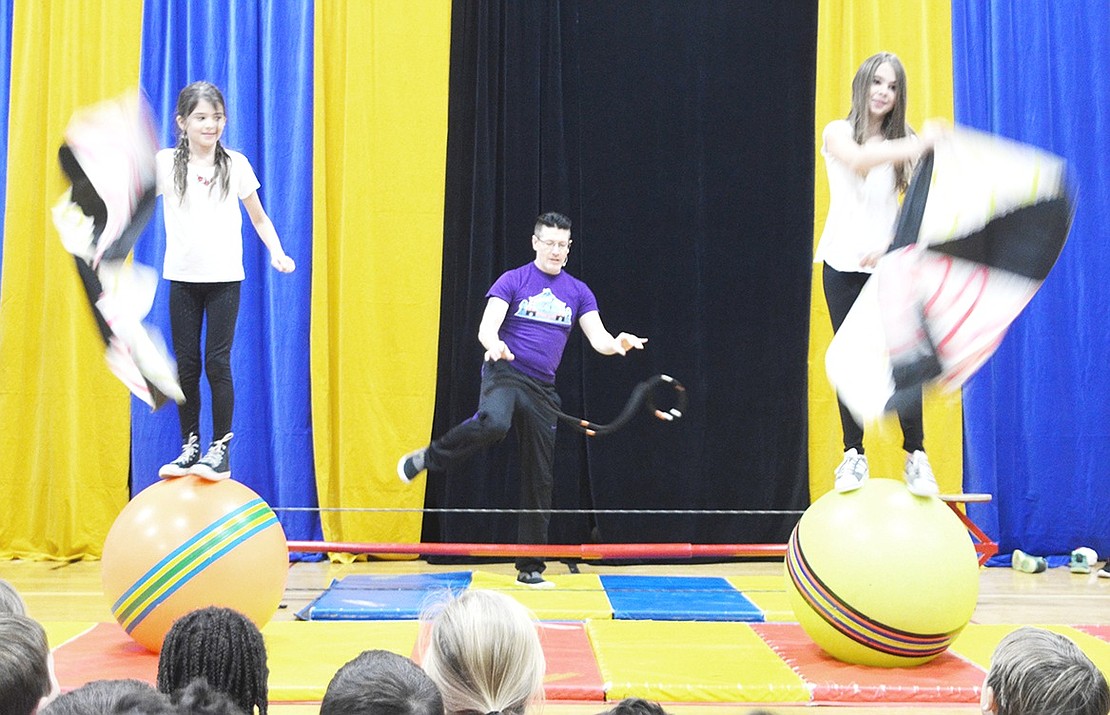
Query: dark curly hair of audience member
[(104, 696), (636, 706), (222, 646), (200, 698), (379, 682)]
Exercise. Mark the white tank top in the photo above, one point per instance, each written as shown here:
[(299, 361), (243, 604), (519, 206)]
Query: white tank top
[(862, 212)]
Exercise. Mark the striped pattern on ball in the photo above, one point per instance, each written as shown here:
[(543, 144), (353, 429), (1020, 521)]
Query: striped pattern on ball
[(853, 624), (191, 558)]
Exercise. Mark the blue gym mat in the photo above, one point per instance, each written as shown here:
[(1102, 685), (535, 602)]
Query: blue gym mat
[(366, 597), (677, 598), (639, 598)]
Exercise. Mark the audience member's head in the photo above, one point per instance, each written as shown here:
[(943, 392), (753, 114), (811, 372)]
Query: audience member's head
[(143, 702), (200, 698), (11, 602), (26, 666), (636, 706), (222, 646), (379, 682), (104, 696), (1034, 670), (484, 654)]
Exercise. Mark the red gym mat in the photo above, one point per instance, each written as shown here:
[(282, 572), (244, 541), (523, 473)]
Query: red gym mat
[(948, 679)]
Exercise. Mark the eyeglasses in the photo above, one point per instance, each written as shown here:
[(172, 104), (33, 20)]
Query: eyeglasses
[(551, 245)]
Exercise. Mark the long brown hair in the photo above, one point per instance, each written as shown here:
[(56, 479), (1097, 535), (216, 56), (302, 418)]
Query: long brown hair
[(894, 123), (187, 101)]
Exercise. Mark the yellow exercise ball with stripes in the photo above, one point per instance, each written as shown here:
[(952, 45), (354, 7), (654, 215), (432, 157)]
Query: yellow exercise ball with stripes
[(186, 543), (881, 577)]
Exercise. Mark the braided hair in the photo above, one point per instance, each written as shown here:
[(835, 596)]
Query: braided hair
[(222, 646), (187, 101)]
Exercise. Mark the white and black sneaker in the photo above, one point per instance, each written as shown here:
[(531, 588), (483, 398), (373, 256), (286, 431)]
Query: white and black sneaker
[(411, 465), (919, 476), (214, 465), (533, 579), (852, 472), (190, 453)]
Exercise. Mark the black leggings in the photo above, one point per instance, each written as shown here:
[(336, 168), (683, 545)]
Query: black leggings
[(841, 291), (190, 303), (511, 398)]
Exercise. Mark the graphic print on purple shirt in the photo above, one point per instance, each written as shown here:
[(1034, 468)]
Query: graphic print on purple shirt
[(542, 310)]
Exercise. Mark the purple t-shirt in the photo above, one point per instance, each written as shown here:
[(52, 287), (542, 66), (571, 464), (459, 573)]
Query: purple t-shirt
[(542, 310)]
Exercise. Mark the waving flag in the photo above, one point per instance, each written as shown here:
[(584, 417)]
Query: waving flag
[(983, 222), (108, 156)]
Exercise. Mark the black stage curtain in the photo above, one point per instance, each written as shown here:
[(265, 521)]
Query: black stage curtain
[(678, 136)]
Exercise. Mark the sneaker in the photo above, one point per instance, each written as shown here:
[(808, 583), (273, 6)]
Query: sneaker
[(1027, 563), (534, 579), (190, 453), (852, 472), (1082, 560), (214, 465), (1104, 572), (919, 476), (411, 465)]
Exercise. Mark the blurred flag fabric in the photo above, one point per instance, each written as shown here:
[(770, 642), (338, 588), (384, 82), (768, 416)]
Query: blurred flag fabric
[(983, 222), (108, 156)]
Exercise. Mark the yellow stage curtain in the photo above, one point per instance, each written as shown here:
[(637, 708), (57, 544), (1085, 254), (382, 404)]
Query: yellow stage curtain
[(381, 79), (64, 419), (848, 32)]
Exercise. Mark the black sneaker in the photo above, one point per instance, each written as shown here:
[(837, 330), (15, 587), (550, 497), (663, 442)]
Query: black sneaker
[(214, 465), (534, 579), (190, 453), (411, 465)]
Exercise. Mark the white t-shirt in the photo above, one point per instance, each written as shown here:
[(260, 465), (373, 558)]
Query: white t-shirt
[(204, 233), (862, 212)]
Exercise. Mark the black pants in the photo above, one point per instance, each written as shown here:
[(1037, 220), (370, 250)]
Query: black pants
[(510, 398), (190, 304), (841, 291)]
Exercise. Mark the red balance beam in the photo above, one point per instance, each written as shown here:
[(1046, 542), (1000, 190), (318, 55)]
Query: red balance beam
[(984, 546)]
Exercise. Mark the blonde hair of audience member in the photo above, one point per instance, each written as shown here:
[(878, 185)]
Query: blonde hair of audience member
[(27, 681), (1034, 670), (485, 655), (10, 601)]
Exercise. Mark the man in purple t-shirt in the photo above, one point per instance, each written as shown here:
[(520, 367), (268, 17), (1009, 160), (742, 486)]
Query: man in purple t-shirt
[(524, 329)]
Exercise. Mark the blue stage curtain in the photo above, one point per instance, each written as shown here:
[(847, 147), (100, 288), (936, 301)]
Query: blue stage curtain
[(1036, 416), (260, 55), (5, 82)]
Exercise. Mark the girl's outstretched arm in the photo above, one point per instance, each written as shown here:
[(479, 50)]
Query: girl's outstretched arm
[(861, 158), (266, 231)]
